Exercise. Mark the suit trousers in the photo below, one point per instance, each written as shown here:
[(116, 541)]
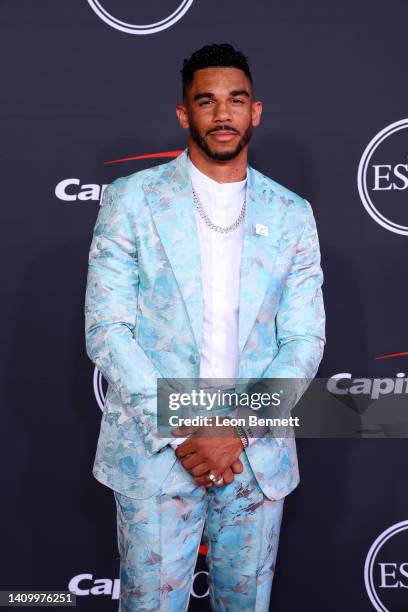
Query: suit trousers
[(159, 537)]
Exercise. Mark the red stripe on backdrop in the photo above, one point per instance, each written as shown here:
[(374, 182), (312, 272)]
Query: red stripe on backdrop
[(147, 156), (392, 355)]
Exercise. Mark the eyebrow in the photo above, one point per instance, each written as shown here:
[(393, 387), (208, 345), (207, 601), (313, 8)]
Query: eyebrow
[(209, 94)]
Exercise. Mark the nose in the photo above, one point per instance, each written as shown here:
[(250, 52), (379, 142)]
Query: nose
[(222, 112)]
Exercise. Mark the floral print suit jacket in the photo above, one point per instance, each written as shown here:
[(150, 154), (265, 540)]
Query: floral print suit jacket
[(144, 312)]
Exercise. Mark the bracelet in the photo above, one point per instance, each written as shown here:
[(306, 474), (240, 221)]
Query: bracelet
[(242, 435)]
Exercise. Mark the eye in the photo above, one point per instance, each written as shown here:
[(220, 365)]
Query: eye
[(238, 101), (204, 102)]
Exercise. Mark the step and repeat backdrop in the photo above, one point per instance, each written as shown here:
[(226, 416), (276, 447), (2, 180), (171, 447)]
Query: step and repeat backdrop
[(88, 93)]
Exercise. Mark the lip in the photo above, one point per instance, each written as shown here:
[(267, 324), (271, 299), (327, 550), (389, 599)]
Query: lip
[(222, 136)]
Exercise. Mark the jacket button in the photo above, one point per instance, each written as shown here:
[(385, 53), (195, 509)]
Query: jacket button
[(193, 359)]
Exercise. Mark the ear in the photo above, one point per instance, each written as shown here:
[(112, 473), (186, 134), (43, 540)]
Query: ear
[(256, 113), (182, 116)]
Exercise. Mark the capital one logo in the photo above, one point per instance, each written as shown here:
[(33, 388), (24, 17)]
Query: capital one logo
[(85, 585), (383, 178), (175, 11), (386, 569)]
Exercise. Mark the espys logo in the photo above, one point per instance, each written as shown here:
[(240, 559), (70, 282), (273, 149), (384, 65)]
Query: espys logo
[(98, 381), (386, 569), (178, 10), (383, 178)]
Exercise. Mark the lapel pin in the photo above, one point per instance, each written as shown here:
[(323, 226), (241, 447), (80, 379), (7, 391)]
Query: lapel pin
[(261, 230)]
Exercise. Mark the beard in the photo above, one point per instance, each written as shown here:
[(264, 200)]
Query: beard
[(225, 155)]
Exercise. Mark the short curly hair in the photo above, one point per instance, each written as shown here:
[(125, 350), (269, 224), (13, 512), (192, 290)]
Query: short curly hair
[(213, 56)]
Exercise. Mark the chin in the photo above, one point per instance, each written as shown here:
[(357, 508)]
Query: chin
[(228, 151)]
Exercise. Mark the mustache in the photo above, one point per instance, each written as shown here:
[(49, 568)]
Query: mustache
[(223, 128)]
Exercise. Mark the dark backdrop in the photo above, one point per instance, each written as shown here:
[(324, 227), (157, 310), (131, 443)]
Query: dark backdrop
[(77, 93)]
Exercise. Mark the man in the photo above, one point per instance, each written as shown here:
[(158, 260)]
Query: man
[(200, 267)]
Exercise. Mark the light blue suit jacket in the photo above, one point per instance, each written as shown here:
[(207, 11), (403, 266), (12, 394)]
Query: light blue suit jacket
[(144, 313)]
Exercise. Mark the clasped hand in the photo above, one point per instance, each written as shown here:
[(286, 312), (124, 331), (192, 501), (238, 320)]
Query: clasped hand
[(203, 453)]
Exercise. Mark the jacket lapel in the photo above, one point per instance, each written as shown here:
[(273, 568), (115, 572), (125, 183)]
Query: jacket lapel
[(170, 197), (258, 251)]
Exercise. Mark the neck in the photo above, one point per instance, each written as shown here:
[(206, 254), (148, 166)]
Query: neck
[(221, 171)]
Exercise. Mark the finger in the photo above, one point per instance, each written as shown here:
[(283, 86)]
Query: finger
[(185, 448), (194, 460), (182, 431), (203, 482), (228, 476), (237, 467), (200, 470)]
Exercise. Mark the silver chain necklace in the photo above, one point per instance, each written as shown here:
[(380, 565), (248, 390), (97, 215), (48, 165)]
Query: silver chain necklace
[(207, 220)]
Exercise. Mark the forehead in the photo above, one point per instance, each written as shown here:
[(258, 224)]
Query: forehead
[(219, 80)]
